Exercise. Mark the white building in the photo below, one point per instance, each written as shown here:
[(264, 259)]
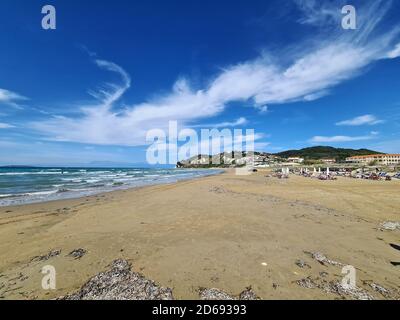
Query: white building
[(379, 159), (295, 160), (328, 160)]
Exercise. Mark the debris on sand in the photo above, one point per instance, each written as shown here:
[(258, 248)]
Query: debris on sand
[(302, 264), (307, 283), (335, 288), (218, 190), (21, 277), (354, 292), (322, 259), (214, 294), (77, 253), (51, 254), (120, 283), (248, 294), (389, 225), (217, 294), (378, 288)]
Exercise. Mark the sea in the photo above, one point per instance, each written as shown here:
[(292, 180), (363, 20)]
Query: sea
[(19, 185)]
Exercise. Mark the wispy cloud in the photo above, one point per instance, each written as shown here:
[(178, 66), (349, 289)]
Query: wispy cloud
[(318, 12), (110, 92), (395, 53), (308, 71), (239, 122), (98, 124), (6, 125), (11, 98), (367, 119), (332, 139)]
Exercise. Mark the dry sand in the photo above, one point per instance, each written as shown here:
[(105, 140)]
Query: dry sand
[(228, 232)]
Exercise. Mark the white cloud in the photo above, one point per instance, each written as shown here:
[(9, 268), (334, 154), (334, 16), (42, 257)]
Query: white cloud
[(318, 12), (262, 108), (367, 119), (110, 92), (306, 72), (6, 125), (239, 122), (324, 139), (10, 98), (395, 53)]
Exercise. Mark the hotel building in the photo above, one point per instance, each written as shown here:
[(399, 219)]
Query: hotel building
[(380, 159)]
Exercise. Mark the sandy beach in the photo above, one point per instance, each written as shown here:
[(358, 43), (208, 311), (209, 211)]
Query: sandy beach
[(226, 231)]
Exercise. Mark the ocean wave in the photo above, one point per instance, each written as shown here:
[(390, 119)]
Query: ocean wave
[(28, 194), (81, 182), (4, 196), (29, 173), (40, 193)]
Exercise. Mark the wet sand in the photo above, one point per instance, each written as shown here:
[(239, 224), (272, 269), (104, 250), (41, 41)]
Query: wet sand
[(228, 232)]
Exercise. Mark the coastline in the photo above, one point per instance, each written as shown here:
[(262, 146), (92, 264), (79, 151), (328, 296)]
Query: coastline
[(9, 200), (223, 231)]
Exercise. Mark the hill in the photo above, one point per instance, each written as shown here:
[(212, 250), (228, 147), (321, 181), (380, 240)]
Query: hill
[(322, 152)]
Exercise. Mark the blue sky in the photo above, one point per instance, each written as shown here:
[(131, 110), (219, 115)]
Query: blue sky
[(113, 70)]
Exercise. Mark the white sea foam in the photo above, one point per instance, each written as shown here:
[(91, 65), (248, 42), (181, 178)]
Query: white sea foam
[(52, 184)]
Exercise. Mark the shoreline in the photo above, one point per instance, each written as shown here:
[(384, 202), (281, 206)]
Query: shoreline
[(222, 231), (57, 202), (95, 192)]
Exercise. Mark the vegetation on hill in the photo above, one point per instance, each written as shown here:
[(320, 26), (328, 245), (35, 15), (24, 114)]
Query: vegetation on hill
[(322, 152)]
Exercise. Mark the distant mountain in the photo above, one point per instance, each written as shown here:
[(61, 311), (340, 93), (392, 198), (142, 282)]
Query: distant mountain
[(111, 164), (322, 152), (93, 164), (17, 167)]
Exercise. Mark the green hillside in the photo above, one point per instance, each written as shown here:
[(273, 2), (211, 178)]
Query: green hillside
[(321, 152)]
